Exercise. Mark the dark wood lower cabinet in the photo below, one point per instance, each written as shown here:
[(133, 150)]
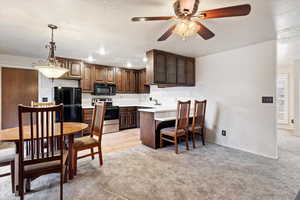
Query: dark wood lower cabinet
[(128, 117)]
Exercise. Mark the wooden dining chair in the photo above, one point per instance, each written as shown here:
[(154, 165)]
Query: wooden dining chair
[(7, 158), (41, 160), (198, 124), (173, 134), (90, 142)]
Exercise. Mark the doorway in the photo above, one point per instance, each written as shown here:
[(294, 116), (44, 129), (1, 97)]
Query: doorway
[(18, 86)]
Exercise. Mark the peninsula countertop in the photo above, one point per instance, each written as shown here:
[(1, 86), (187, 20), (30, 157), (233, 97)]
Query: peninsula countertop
[(124, 105)]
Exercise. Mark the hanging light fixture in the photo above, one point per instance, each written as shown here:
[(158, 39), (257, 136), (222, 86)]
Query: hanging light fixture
[(50, 68)]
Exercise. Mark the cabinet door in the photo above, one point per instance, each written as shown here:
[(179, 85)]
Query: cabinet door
[(118, 77), (143, 88), (110, 72), (126, 80), (160, 68), (171, 69), (100, 74), (181, 71), (190, 71), (75, 67), (87, 81), (123, 120), (133, 81)]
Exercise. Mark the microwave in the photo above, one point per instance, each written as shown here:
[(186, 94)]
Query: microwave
[(104, 89)]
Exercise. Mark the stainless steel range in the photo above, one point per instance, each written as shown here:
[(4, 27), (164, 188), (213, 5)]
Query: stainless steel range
[(111, 118)]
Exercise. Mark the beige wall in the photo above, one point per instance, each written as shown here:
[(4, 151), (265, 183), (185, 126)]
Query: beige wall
[(233, 82), (0, 98)]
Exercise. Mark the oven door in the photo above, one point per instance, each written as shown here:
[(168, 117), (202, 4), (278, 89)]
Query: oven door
[(111, 113)]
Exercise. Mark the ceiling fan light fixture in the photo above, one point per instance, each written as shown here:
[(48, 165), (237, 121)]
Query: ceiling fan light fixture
[(186, 28)]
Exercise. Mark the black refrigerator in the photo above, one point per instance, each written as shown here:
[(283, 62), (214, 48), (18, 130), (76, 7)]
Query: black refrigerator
[(71, 99)]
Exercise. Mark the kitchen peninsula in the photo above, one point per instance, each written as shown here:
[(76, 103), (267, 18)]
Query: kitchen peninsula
[(152, 120)]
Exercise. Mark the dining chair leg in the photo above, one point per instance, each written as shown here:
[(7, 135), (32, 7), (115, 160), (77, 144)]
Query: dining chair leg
[(193, 139), (100, 155), (160, 141), (187, 142), (75, 162), (203, 136), (21, 188), (12, 169), (61, 183), (65, 172), (27, 184), (92, 153), (176, 145)]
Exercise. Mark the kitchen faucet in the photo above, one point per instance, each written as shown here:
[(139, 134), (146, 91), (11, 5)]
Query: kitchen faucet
[(156, 101)]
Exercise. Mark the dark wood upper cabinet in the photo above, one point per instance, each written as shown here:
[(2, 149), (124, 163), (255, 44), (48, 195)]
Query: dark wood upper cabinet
[(104, 74), (118, 76), (126, 81), (74, 66), (142, 87), (190, 71), (181, 71), (171, 69), (87, 80), (100, 74), (110, 74), (168, 70), (133, 81), (160, 69)]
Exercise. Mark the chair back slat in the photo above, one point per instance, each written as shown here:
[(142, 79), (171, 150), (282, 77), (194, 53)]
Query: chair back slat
[(183, 114), (52, 135), (98, 119), (31, 136), (42, 133), (199, 114)]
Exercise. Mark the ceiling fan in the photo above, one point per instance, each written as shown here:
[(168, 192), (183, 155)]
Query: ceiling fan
[(186, 12)]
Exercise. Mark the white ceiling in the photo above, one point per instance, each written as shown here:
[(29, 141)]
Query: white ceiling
[(87, 25)]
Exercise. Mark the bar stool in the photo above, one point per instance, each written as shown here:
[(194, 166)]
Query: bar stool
[(198, 124), (173, 134)]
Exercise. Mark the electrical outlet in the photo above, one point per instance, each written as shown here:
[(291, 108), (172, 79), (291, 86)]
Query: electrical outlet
[(223, 132)]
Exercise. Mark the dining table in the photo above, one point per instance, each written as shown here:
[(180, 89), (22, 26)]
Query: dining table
[(69, 130)]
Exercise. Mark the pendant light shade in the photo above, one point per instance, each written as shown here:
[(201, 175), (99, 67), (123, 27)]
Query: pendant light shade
[(50, 68)]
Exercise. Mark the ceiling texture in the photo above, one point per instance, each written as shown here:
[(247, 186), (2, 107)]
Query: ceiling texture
[(86, 26)]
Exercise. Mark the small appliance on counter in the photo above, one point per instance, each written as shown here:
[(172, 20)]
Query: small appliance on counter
[(71, 99), (104, 89), (111, 118)]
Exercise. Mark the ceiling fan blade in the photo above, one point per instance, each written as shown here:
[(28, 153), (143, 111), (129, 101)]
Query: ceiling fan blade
[(138, 19), (167, 34), (204, 32), (232, 11)]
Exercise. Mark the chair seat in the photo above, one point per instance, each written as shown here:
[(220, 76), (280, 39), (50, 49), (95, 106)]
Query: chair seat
[(51, 165), (85, 141), (170, 131), (197, 128)]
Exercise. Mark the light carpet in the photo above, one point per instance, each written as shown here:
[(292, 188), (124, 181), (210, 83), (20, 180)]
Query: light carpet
[(207, 172)]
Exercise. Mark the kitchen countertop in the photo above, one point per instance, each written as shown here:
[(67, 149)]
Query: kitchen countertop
[(123, 105)]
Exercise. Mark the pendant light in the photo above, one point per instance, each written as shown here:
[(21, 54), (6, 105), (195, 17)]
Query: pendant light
[(50, 68)]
